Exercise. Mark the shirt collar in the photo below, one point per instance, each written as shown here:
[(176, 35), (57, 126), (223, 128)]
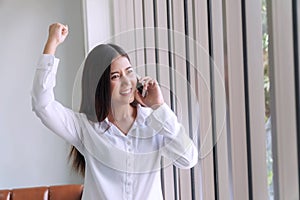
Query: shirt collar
[(142, 114)]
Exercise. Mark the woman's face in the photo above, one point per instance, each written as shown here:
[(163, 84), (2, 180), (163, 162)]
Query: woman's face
[(122, 81)]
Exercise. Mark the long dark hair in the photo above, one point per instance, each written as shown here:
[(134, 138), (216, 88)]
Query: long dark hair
[(96, 94)]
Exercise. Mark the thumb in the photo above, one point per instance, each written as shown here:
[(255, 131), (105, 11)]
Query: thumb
[(65, 30), (138, 97)]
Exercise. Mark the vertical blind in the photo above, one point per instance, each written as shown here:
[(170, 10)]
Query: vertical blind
[(207, 57), (284, 55)]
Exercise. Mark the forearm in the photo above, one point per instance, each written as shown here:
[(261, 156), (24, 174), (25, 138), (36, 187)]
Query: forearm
[(50, 47), (180, 149), (44, 80), (177, 145)]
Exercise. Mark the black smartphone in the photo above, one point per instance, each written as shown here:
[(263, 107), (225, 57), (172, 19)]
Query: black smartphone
[(139, 87)]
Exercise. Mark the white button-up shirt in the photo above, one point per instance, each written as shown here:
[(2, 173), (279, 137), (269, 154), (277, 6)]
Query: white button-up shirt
[(118, 166)]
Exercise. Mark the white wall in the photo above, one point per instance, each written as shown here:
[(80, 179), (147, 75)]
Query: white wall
[(99, 22), (30, 154)]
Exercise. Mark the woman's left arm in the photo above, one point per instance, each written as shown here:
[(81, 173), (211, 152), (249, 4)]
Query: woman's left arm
[(177, 145)]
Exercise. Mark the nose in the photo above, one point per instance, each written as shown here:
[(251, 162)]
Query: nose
[(125, 80)]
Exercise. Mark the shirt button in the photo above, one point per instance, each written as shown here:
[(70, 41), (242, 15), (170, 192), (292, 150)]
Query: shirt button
[(128, 143), (49, 64), (148, 121)]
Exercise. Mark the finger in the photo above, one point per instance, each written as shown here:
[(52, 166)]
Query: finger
[(146, 82), (64, 28), (145, 88), (143, 79), (64, 32), (138, 97), (150, 84), (144, 92)]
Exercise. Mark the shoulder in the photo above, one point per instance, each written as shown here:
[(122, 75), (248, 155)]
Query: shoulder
[(90, 126)]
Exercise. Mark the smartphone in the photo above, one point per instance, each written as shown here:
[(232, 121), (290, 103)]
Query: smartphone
[(139, 87)]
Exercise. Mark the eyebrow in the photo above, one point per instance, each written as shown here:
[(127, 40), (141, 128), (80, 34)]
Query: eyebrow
[(118, 72)]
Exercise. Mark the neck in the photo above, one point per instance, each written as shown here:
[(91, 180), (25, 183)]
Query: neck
[(122, 113), (123, 117)]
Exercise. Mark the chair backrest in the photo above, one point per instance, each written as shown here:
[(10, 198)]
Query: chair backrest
[(58, 192)]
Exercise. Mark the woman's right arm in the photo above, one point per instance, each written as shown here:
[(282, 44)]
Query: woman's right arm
[(61, 120)]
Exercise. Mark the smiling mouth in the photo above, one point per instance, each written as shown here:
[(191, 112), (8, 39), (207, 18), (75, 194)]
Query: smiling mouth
[(125, 92)]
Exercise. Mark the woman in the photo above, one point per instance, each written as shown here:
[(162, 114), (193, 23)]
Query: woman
[(118, 144)]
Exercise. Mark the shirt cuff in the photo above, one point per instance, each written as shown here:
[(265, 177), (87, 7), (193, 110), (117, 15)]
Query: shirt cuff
[(159, 117), (48, 62)]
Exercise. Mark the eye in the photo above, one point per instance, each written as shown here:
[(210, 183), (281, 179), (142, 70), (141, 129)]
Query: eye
[(130, 70), (114, 76)]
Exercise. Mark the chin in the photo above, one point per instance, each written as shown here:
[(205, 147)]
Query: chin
[(123, 102)]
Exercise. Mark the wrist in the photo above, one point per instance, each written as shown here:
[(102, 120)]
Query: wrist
[(50, 47), (155, 106)]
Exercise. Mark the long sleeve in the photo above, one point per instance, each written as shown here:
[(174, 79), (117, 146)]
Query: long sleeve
[(59, 119), (178, 147)]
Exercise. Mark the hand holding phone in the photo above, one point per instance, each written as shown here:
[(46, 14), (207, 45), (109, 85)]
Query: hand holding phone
[(150, 94)]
